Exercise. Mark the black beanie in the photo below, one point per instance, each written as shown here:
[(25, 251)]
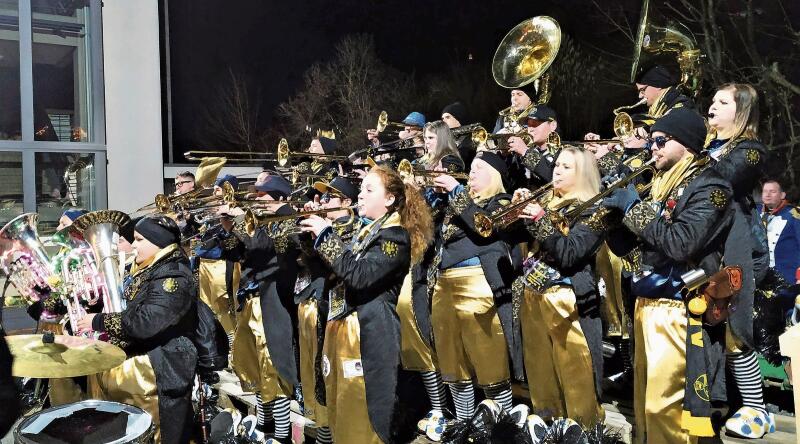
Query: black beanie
[(684, 125), (642, 120), (494, 160), (160, 230), (457, 110), (328, 145), (453, 164), (126, 230), (657, 76)]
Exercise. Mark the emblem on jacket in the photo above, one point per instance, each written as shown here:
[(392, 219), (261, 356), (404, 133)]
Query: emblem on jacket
[(169, 285), (752, 157), (718, 199), (389, 248)]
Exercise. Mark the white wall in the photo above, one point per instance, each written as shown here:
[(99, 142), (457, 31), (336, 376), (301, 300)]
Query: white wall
[(132, 102)]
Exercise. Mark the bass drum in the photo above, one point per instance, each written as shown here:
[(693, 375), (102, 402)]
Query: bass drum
[(87, 422)]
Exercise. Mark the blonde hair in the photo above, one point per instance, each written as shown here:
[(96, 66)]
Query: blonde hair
[(495, 186), (587, 175), (414, 211), (745, 120), (445, 143)]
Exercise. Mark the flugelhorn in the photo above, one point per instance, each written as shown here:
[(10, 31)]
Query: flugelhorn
[(502, 218)]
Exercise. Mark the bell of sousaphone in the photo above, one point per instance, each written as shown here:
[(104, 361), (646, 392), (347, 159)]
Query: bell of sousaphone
[(100, 229)]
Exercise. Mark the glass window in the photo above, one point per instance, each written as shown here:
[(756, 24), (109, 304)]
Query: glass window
[(61, 78), (10, 114), (10, 186), (63, 181)]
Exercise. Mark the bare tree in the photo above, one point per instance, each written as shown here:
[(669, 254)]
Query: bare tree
[(232, 120)]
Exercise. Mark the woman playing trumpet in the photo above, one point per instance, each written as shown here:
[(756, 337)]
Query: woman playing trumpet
[(560, 314)]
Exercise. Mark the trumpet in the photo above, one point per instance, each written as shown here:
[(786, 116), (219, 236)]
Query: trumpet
[(407, 171), (465, 129), (486, 224), (480, 136), (253, 220), (623, 123)]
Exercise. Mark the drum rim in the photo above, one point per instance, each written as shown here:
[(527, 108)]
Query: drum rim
[(19, 438)]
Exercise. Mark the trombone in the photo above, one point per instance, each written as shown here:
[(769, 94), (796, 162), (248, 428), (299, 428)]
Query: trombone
[(407, 171), (284, 155), (383, 123), (623, 129), (253, 219), (486, 224), (480, 136)]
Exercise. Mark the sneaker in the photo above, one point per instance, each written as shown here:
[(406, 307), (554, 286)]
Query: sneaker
[(748, 422), (568, 431), (537, 428), (247, 426), (519, 414), (486, 415), (224, 425), (432, 417), (436, 427)]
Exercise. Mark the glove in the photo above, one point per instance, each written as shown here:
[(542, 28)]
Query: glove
[(622, 198)]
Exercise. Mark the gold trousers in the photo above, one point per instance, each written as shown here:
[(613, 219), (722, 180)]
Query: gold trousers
[(251, 359), (659, 370), (415, 354), (557, 358), (132, 382), (214, 292), (346, 391), (307, 315), (609, 267), (469, 339)]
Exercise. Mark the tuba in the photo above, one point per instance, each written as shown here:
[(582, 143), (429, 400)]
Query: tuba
[(23, 258), (673, 39), (100, 229)]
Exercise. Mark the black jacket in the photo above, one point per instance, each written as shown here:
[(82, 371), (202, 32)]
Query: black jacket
[(160, 320), (372, 279)]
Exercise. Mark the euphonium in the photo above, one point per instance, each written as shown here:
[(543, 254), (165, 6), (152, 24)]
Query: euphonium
[(100, 229), (23, 257), (507, 215)]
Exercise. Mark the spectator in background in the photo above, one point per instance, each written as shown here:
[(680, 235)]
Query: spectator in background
[(184, 182), (783, 230)]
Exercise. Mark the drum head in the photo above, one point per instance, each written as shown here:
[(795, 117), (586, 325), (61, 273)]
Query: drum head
[(85, 422)]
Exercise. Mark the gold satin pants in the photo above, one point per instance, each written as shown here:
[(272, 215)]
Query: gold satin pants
[(346, 392), (609, 267), (307, 315), (659, 370), (251, 360), (557, 358), (132, 382), (214, 292), (415, 354), (469, 339)]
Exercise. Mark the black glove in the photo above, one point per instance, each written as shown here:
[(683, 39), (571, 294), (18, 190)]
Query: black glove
[(621, 198)]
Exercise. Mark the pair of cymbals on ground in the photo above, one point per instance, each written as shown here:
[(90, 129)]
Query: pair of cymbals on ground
[(64, 357)]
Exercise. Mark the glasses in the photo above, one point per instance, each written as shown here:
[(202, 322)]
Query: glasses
[(325, 198), (659, 141), (182, 183), (642, 89)]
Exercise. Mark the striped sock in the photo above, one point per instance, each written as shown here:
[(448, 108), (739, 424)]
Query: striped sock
[(501, 394), (280, 412), (464, 399), (324, 435), (435, 388), (263, 412), (747, 375)]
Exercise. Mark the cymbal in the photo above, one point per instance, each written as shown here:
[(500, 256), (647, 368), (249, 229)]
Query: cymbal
[(66, 357)]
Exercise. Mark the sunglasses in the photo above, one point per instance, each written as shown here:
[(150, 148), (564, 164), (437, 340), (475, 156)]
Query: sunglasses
[(326, 197), (659, 141)]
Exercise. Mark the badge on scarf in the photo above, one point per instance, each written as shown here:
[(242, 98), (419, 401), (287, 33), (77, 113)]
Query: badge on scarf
[(169, 285)]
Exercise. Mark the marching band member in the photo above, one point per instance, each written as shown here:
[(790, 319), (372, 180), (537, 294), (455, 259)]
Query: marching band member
[(741, 160), (471, 279), (658, 86), (560, 315), (312, 300), (682, 225), (521, 99), (362, 339), (537, 158), (184, 182), (263, 351), (455, 115), (155, 330)]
